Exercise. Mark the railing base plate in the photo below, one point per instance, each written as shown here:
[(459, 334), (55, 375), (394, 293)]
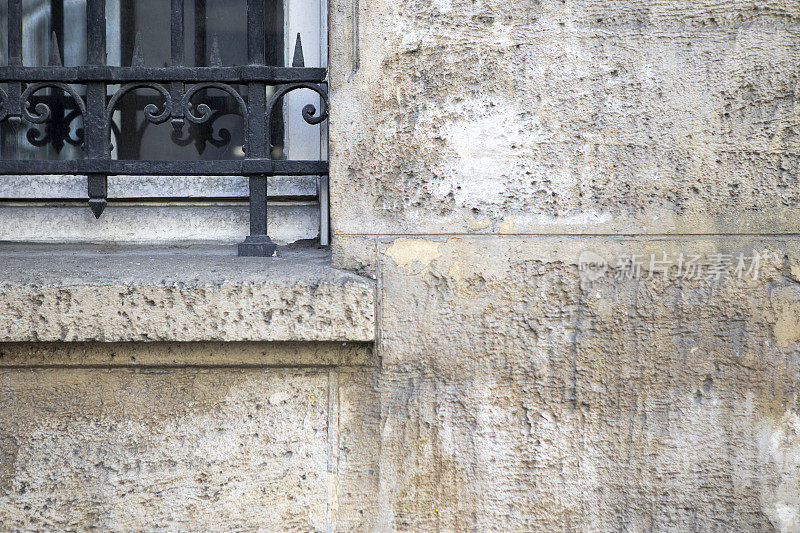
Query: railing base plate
[(257, 246)]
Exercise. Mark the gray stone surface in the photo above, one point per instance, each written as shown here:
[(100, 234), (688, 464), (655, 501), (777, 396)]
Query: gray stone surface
[(153, 223), (114, 294), (119, 187)]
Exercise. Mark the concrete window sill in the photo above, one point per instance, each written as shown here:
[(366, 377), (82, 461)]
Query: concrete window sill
[(51, 293)]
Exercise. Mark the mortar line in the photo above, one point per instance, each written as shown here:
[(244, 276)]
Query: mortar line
[(332, 469), (144, 366), (620, 236), (379, 360)]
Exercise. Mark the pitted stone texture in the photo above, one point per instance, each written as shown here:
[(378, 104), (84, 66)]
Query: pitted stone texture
[(188, 436), (115, 295), (516, 396), (586, 116), (132, 450)]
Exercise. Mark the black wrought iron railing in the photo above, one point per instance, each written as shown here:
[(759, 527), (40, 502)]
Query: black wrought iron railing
[(176, 86)]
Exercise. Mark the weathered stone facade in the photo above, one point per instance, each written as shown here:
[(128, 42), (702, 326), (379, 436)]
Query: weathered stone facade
[(180, 437), (478, 150)]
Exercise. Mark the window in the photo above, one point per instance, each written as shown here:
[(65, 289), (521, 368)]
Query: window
[(161, 109)]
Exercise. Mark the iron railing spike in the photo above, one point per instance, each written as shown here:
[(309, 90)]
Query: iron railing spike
[(298, 60), (55, 54), (137, 60), (215, 60)]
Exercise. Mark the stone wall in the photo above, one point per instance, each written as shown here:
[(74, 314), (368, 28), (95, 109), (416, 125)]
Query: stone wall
[(177, 436), (479, 149), (498, 167), (184, 389)]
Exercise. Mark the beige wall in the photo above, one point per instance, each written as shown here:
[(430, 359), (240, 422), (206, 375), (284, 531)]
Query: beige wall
[(177, 436), (478, 149)]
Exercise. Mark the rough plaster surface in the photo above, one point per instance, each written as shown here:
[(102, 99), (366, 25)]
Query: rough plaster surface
[(477, 148), (113, 295), (516, 396), (550, 116)]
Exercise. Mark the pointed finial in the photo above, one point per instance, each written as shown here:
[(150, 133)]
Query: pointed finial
[(138, 58), (215, 60), (97, 205), (55, 53), (298, 60)]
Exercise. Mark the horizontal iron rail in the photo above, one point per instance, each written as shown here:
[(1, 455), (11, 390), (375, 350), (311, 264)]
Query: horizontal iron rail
[(240, 74), (244, 167)]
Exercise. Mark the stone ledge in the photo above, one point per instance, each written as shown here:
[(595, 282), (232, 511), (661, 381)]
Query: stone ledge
[(191, 293)]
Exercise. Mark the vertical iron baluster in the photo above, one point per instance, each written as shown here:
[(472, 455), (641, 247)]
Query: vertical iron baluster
[(57, 21), (258, 242), (15, 60), (128, 144), (15, 33), (177, 59), (200, 34), (274, 33), (95, 139)]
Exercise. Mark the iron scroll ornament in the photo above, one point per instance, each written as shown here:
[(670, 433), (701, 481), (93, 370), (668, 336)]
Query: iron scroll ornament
[(202, 113), (206, 113), (156, 114), (309, 110), (43, 110), (57, 131), (203, 109), (203, 134), (151, 111)]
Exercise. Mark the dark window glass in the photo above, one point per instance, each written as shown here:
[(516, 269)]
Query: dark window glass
[(42, 19), (48, 24), (215, 33)]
